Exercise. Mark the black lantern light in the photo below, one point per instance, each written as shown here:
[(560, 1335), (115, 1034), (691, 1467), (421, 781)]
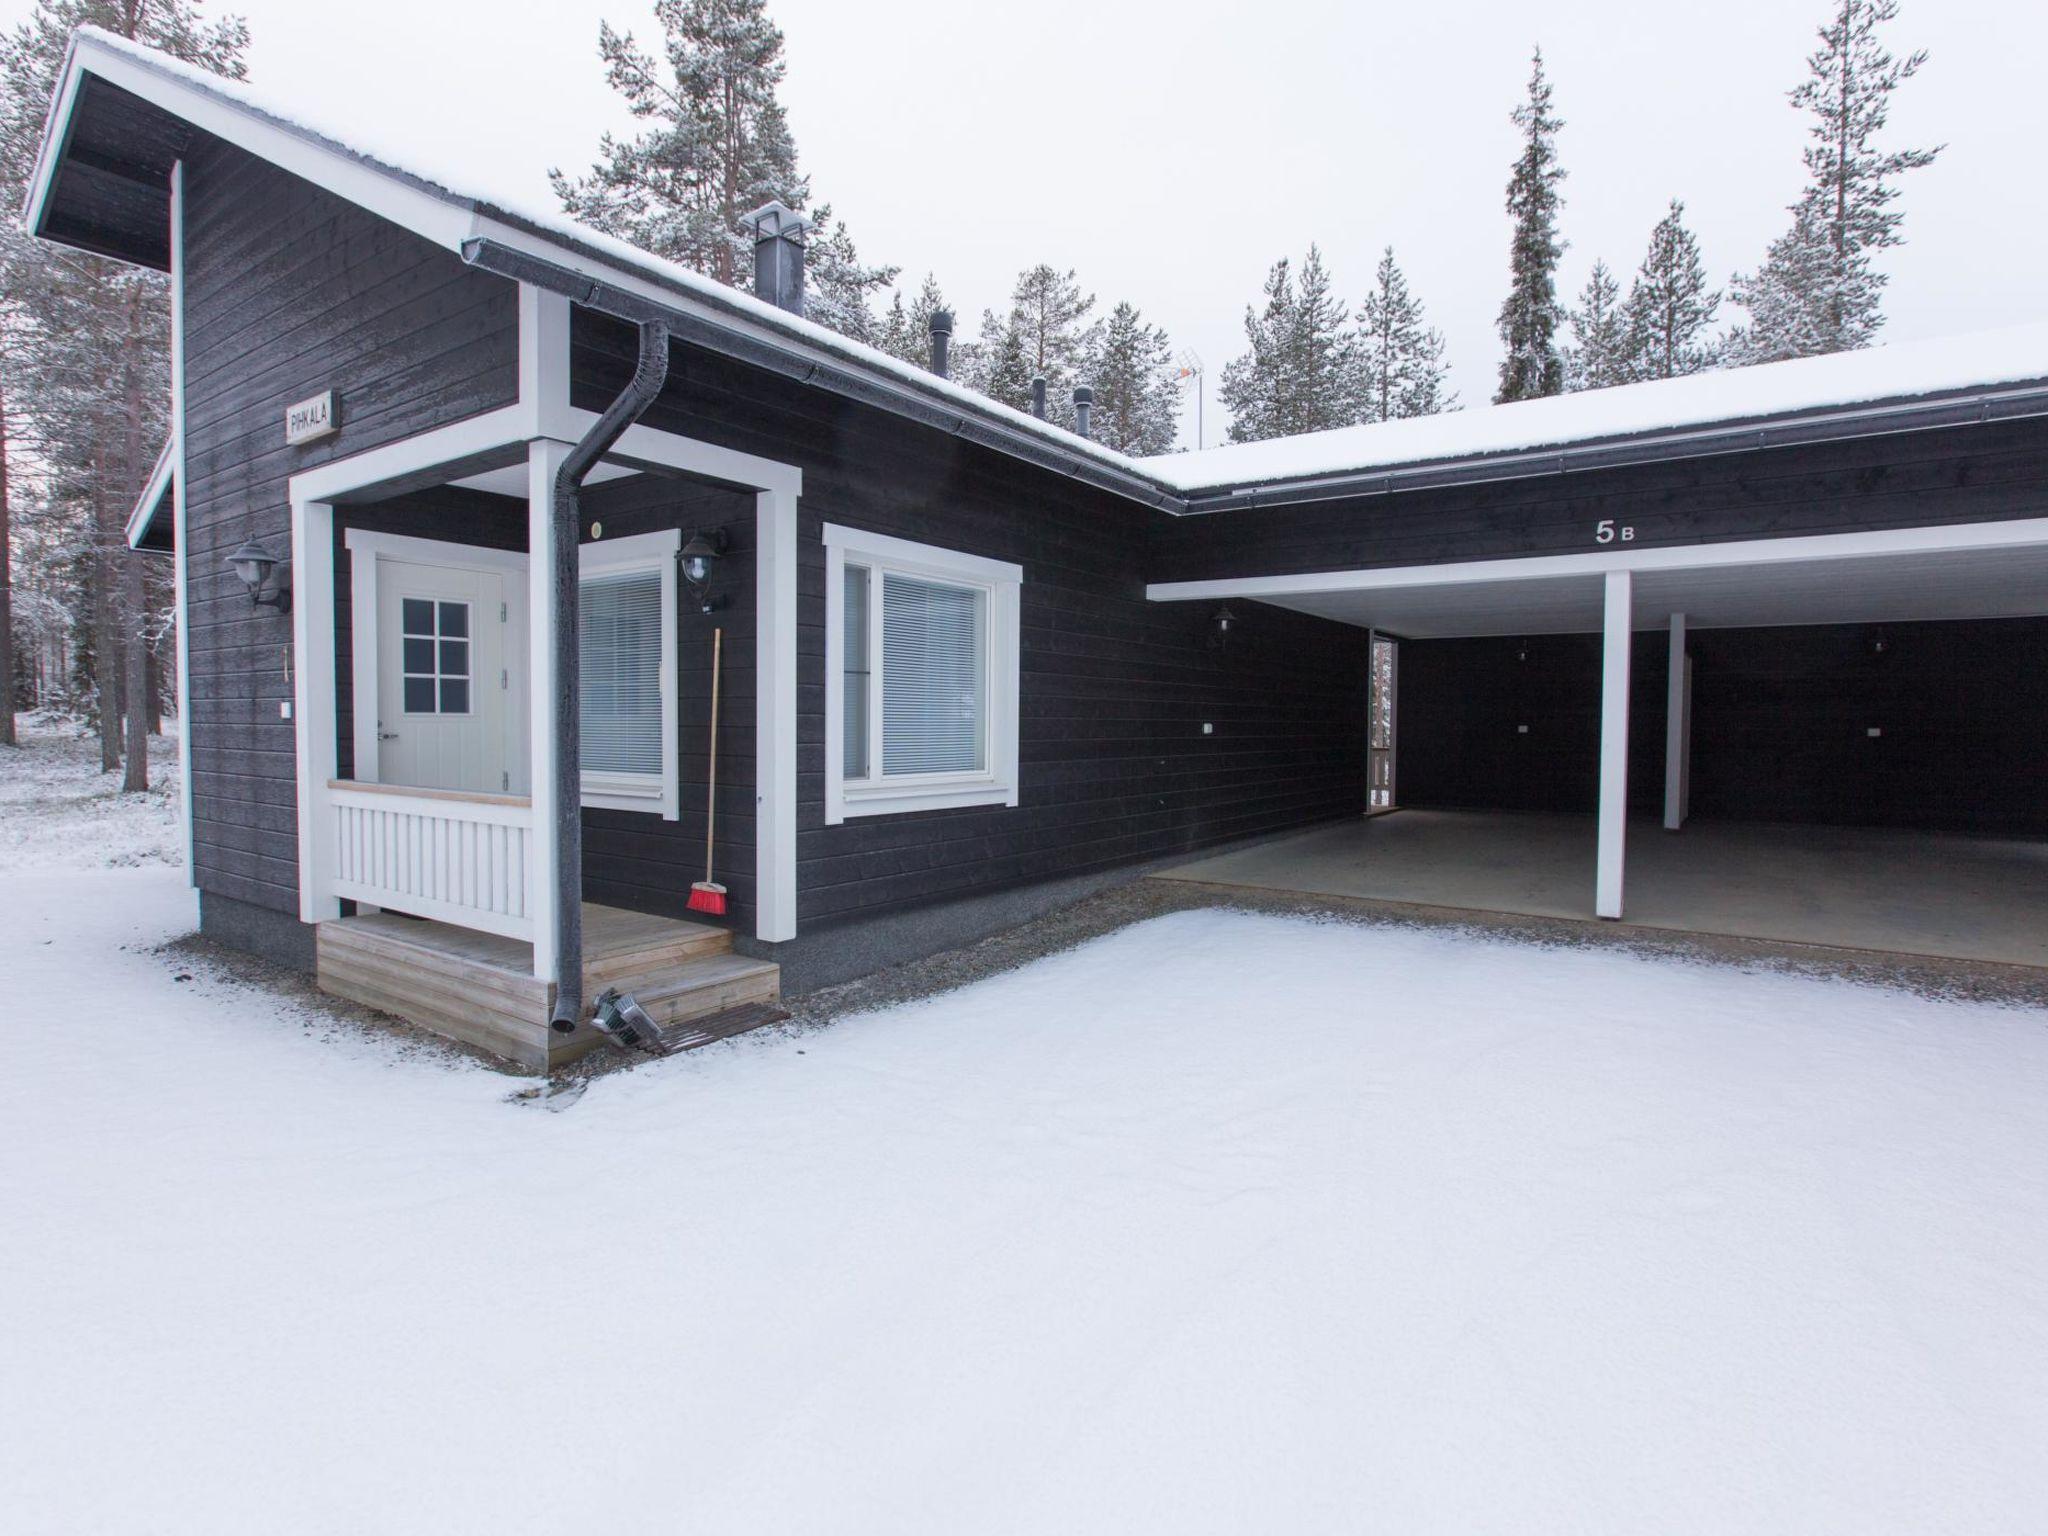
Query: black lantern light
[(700, 557), (1223, 628), (255, 567)]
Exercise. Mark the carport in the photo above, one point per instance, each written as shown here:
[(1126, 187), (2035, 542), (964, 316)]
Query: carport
[(1859, 719)]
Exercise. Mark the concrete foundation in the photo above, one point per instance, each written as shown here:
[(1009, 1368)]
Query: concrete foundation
[(1910, 893)]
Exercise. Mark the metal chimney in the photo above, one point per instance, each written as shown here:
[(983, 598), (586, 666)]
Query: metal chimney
[(1038, 397), (942, 337), (1084, 401), (779, 232)]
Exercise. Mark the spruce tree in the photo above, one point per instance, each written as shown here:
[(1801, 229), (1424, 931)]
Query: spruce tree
[(1670, 306), (997, 363), (1599, 354), (716, 147), (1302, 371), (1137, 406), (1402, 359), (1530, 366), (906, 331), (1819, 289), (1049, 315)]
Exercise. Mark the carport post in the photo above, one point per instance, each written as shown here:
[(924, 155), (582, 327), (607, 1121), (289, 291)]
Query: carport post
[(1613, 746), (1677, 729)]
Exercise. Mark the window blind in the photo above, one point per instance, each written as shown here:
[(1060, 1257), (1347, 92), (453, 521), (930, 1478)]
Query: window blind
[(854, 708), (934, 638), (620, 636)]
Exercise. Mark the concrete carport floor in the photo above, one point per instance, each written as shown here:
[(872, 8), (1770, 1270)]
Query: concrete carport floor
[(1950, 895)]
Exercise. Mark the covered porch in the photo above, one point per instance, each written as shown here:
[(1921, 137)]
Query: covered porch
[(425, 585)]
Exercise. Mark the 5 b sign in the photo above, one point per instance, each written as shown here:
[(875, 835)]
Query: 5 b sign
[(1605, 532)]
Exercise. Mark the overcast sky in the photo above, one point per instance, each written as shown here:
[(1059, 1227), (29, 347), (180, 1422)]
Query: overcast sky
[(1171, 151)]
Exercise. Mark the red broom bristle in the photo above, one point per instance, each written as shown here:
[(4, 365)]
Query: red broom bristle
[(708, 898)]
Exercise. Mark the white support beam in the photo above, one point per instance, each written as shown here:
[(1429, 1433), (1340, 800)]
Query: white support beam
[(1613, 745), (543, 458), (313, 701), (1677, 729), (775, 716), (181, 548)]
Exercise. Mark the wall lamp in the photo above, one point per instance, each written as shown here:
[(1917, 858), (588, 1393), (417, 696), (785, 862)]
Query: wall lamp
[(700, 556), (1223, 627), (257, 567)]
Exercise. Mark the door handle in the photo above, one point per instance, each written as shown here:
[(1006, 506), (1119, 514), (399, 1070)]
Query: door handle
[(387, 735)]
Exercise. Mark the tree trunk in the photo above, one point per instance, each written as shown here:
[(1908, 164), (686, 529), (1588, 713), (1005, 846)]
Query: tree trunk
[(134, 593), (6, 591), (156, 692), (106, 627)]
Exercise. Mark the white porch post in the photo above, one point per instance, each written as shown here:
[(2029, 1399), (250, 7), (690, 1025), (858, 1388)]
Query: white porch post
[(314, 727), (543, 457), (775, 716), (1677, 729), (1613, 746)]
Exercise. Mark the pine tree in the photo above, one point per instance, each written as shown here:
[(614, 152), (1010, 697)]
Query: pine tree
[(716, 147), (1670, 306), (1819, 289), (1302, 372), (1530, 366), (1402, 359), (85, 360), (997, 363), (1599, 355), (1050, 317), (1137, 407)]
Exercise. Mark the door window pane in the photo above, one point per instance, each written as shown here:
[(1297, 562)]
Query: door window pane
[(435, 670)]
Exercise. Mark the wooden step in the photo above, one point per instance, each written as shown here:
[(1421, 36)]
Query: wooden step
[(700, 987), (710, 1027)]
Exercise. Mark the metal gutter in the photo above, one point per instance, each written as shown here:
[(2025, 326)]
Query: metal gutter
[(794, 361)]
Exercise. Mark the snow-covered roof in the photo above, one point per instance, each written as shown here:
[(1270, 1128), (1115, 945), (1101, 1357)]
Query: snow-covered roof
[(1897, 372), (368, 159)]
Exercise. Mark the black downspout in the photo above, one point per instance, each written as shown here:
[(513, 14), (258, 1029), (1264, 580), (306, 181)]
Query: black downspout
[(649, 374)]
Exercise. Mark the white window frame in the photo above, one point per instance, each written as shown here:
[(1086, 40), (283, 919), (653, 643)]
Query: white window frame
[(654, 552), (882, 555)]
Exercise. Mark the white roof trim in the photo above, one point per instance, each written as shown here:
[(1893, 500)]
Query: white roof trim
[(153, 489)]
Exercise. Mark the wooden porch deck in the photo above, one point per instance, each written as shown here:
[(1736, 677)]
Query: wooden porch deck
[(480, 988)]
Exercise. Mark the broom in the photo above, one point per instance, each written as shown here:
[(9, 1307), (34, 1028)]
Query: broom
[(706, 895)]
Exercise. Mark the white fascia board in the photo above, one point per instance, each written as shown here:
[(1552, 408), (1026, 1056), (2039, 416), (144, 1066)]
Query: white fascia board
[(459, 440), (153, 491), (666, 450), (2015, 533), (439, 216)]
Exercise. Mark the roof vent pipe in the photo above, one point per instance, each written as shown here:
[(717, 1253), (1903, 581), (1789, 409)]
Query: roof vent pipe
[(1038, 397), (1084, 401), (942, 338), (778, 232)]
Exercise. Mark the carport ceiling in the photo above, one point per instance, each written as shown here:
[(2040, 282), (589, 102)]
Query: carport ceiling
[(1893, 588)]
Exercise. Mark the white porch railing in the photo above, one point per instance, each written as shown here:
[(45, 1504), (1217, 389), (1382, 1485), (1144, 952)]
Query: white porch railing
[(445, 854)]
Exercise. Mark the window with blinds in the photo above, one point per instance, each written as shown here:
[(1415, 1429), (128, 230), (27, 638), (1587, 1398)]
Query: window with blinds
[(934, 648), (923, 666), (621, 647)]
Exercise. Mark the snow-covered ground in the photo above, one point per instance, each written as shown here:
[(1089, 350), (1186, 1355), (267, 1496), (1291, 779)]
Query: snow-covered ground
[(57, 810), (1224, 1223)]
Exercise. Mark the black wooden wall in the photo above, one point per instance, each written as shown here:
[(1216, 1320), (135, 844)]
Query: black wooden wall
[(1781, 719), (1115, 690), (289, 291), (1953, 475)]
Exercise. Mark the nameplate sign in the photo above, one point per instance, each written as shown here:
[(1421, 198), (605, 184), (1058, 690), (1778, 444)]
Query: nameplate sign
[(312, 419)]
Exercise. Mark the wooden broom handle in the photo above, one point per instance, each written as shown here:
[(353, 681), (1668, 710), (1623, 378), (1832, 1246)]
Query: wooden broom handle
[(711, 792)]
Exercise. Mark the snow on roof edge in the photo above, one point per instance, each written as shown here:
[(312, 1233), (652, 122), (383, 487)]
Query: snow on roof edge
[(1894, 372)]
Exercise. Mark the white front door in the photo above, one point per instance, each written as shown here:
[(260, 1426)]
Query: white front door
[(450, 709)]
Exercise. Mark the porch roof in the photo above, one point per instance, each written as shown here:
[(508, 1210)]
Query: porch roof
[(125, 113)]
